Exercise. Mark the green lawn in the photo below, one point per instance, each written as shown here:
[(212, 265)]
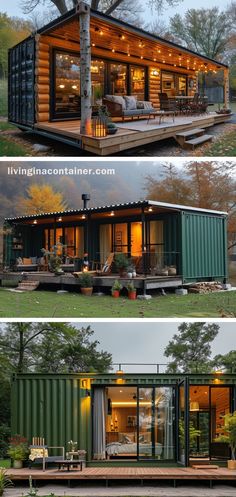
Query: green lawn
[(8, 147), (47, 304)]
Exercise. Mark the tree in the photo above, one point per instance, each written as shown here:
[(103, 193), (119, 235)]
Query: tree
[(206, 31), (51, 347), (225, 362), (41, 198), (190, 349), (12, 31), (205, 184), (109, 7)]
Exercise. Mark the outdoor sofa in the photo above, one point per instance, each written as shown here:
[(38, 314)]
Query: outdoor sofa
[(127, 106)]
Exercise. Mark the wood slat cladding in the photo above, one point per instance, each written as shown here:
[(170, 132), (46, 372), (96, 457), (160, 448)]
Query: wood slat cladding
[(42, 80)]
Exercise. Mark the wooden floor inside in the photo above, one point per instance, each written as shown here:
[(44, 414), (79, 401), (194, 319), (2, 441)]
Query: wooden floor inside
[(130, 134), (126, 473), (141, 282)]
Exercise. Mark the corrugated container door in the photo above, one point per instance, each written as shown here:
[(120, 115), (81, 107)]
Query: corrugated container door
[(21, 83), (203, 247)]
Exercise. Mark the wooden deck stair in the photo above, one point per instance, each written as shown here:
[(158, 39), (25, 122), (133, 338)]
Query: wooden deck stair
[(191, 138), (28, 286)]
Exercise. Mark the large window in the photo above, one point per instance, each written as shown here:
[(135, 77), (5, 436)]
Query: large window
[(118, 79), (174, 84), (72, 239)]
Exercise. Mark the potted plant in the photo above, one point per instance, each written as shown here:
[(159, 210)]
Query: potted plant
[(86, 282), (131, 291), (116, 288), (111, 128), (54, 257), (18, 451), (5, 481), (121, 263), (98, 95), (229, 437)]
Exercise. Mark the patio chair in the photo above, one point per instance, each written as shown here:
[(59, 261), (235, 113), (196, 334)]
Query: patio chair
[(166, 103), (106, 267), (39, 454)]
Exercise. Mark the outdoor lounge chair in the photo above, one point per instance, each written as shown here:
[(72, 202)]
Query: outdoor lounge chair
[(167, 104), (106, 267), (127, 106), (39, 454)]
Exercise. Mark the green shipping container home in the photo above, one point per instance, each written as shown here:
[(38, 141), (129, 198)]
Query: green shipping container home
[(127, 419), (162, 239)]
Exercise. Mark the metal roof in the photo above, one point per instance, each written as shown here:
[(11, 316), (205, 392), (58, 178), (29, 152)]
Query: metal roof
[(117, 22), (140, 203)]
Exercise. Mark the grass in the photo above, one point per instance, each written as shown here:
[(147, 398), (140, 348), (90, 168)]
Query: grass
[(5, 463), (8, 147), (48, 304)]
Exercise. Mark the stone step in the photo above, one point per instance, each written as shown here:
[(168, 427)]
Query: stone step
[(190, 132), (197, 141)]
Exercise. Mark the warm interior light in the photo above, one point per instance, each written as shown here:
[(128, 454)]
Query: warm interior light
[(112, 213), (35, 221), (194, 406), (83, 216), (130, 403), (59, 219), (74, 87)]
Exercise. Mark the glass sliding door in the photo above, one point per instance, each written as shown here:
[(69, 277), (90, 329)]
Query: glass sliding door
[(146, 447), (174, 84), (105, 242), (97, 79), (118, 79), (66, 85), (156, 245), (199, 419), (136, 239), (156, 423), (137, 82), (120, 238)]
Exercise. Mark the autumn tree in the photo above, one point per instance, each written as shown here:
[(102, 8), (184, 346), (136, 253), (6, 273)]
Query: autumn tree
[(206, 31), (205, 184), (41, 198), (190, 349)]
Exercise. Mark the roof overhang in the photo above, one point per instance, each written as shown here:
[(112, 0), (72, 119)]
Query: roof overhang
[(139, 43), (123, 207)]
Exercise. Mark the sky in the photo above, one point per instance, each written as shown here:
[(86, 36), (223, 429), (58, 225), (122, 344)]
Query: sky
[(144, 342), (12, 8)]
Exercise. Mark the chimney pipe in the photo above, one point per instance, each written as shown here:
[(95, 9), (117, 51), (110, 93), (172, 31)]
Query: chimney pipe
[(85, 198)]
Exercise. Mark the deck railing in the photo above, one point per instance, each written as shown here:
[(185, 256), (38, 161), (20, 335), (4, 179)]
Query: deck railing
[(147, 262)]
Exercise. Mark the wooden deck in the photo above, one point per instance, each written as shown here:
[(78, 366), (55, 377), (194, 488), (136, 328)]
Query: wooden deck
[(130, 134), (141, 282), (127, 473)]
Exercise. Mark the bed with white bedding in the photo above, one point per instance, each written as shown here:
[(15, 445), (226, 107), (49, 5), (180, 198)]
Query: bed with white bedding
[(130, 448)]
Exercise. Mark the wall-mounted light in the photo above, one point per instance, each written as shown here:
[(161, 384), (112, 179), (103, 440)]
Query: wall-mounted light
[(150, 209), (122, 37), (112, 213), (155, 73), (35, 221), (83, 216), (59, 219)]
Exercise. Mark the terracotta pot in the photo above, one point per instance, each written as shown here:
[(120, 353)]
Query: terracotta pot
[(231, 464), (17, 464), (87, 291), (132, 295), (115, 294)]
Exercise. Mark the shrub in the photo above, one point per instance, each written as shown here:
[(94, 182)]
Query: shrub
[(5, 433)]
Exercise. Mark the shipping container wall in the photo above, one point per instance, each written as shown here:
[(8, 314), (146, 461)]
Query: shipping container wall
[(203, 247), (54, 408), (21, 83)]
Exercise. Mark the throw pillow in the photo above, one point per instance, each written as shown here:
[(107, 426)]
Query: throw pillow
[(140, 104), (119, 100), (131, 102), (147, 105)]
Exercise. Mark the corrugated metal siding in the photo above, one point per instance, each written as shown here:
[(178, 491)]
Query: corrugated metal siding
[(50, 408), (203, 247), (21, 83)]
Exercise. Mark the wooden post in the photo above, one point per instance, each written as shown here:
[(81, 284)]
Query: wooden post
[(226, 88), (83, 10)]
